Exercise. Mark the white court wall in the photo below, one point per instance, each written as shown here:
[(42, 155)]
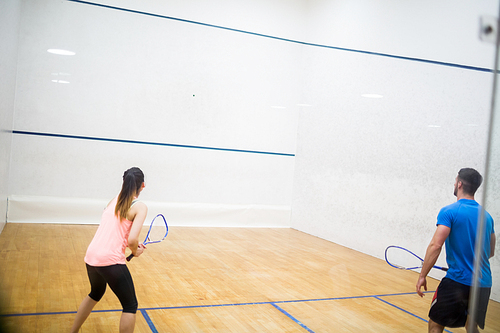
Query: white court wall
[(9, 28), (141, 75), (492, 181), (364, 173), (373, 172)]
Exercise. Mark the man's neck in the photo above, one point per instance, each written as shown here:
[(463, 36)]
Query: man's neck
[(464, 196)]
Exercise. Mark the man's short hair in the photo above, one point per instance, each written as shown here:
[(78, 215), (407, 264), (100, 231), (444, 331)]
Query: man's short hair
[(471, 180)]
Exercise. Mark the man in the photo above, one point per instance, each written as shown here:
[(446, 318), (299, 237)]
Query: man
[(457, 225)]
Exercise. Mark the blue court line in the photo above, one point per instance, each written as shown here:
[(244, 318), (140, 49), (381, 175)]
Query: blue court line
[(66, 136), (274, 304), (405, 311), (293, 318), (218, 305), (278, 302), (148, 320), (441, 63), (53, 313)]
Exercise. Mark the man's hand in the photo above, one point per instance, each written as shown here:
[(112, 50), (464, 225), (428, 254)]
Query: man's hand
[(422, 282)]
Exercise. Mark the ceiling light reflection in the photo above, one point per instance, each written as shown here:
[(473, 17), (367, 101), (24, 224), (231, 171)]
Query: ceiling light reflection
[(372, 96), (61, 52)]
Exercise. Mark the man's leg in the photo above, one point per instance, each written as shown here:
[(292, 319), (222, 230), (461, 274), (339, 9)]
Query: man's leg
[(435, 327), (475, 329)]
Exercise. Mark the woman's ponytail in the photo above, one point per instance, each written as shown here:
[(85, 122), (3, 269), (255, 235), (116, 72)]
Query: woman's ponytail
[(132, 182)]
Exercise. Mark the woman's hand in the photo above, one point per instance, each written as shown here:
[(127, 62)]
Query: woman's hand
[(140, 249)]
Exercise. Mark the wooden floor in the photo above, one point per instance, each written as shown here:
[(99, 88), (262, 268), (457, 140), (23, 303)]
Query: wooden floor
[(212, 280)]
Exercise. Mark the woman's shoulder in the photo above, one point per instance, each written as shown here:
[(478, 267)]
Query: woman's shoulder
[(138, 205), (112, 202), (137, 202)]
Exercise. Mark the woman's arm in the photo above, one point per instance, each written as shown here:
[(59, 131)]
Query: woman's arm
[(137, 214)]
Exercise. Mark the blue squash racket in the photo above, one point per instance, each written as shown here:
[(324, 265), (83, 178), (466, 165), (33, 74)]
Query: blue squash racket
[(401, 258), (157, 232)]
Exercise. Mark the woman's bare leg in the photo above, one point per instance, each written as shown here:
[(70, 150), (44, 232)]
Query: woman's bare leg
[(83, 312), (127, 322)]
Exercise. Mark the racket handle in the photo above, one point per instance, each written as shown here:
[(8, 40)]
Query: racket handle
[(130, 257)]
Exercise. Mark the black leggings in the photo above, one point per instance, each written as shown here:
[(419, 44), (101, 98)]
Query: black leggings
[(120, 281)]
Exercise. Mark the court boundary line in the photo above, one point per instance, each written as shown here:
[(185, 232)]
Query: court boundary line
[(292, 318), (150, 143), (149, 321), (433, 62), (406, 311), (216, 305), (151, 325)]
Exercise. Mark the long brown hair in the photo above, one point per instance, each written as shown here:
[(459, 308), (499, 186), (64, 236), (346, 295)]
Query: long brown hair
[(132, 182)]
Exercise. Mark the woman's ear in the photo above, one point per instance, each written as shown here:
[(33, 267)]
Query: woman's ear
[(143, 185)]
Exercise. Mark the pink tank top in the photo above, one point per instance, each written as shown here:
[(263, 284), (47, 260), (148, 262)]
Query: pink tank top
[(109, 243)]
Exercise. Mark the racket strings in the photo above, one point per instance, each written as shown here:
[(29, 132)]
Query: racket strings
[(157, 233), (158, 230), (402, 259)]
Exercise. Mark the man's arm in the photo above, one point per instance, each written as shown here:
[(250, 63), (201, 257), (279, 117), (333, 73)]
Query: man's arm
[(431, 256), (493, 242)]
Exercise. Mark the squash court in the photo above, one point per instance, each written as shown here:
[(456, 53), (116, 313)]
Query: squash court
[(288, 143), (213, 280)]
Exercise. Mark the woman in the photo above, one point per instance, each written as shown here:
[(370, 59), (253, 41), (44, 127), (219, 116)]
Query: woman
[(120, 226)]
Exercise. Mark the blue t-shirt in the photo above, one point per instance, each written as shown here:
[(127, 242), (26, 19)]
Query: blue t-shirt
[(462, 218)]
